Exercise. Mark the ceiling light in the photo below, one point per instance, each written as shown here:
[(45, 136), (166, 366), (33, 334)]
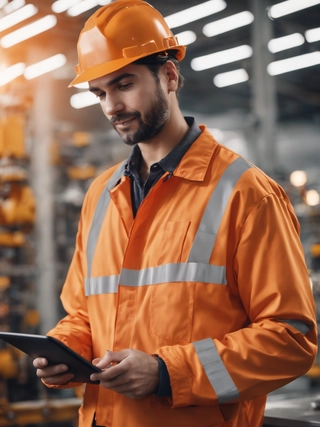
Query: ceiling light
[(84, 85), (295, 63), (11, 73), (286, 42), (45, 66), (83, 99), (227, 24), (18, 16), (13, 5), (231, 78), (82, 7), (195, 12), (290, 6), (60, 6), (313, 35), (220, 58), (186, 37), (3, 3), (298, 178), (28, 31), (312, 197)]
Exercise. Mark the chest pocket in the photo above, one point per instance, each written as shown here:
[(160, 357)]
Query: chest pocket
[(171, 304)]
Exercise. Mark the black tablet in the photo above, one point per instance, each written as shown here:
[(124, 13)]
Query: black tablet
[(54, 351)]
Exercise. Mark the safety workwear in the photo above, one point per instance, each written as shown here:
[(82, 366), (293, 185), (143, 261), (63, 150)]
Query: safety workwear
[(120, 33), (209, 275)]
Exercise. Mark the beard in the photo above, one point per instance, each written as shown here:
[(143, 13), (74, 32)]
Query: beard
[(152, 124)]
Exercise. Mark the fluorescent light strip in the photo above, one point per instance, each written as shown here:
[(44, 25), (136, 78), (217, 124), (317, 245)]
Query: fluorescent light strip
[(18, 16), (29, 31), (313, 35), (290, 6), (14, 5), (186, 37), (84, 85), (194, 13), (286, 42), (82, 7), (45, 66), (83, 99), (11, 73), (295, 63), (227, 24), (220, 58), (60, 6), (231, 78)]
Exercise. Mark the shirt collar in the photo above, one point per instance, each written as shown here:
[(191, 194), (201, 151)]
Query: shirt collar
[(172, 159)]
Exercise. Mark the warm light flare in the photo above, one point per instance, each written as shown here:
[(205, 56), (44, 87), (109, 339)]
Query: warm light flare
[(45, 66), (29, 31), (312, 197), (298, 178), (11, 73), (18, 16), (83, 99)]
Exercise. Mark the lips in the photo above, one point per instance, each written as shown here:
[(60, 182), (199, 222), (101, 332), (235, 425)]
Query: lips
[(124, 124)]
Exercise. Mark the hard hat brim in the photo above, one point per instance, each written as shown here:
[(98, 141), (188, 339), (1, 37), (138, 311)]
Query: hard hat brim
[(109, 67)]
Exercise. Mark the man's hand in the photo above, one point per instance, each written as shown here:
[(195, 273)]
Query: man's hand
[(130, 372), (52, 375)]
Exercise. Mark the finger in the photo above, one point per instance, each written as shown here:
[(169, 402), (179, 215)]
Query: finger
[(113, 357), (50, 371), (40, 362), (110, 373), (58, 379)]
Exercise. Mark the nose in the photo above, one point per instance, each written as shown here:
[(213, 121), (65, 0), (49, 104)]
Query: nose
[(111, 105)]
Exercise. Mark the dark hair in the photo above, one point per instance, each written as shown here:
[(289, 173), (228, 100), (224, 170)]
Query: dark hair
[(156, 61)]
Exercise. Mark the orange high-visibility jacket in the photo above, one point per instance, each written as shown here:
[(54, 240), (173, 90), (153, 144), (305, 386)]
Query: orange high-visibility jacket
[(210, 275)]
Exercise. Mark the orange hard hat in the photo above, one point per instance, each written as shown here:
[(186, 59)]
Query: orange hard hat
[(120, 33)]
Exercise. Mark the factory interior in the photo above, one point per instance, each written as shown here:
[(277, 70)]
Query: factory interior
[(252, 75)]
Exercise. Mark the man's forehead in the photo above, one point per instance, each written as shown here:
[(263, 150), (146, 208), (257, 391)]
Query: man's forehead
[(108, 79)]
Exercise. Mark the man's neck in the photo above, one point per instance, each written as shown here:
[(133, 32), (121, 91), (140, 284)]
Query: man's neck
[(156, 149)]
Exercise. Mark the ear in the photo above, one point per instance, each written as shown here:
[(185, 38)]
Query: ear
[(172, 76)]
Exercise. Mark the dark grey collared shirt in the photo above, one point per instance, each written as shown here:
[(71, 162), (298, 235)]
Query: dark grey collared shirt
[(140, 189)]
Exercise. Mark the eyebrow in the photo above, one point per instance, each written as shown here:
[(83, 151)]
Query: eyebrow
[(112, 82)]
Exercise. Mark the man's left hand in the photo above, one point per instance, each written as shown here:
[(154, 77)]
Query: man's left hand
[(130, 372)]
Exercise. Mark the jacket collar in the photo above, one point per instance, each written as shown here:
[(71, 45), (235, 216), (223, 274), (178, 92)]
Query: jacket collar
[(195, 162)]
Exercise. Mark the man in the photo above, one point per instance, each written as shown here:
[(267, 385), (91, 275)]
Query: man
[(188, 285)]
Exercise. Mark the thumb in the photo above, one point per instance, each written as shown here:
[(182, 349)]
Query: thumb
[(112, 357)]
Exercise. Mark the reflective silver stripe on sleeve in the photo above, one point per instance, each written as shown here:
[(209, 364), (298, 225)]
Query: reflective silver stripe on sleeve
[(216, 372), (297, 324), (99, 214), (213, 214), (168, 273), (101, 285)]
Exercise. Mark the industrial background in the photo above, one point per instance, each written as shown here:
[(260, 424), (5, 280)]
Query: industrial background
[(252, 76)]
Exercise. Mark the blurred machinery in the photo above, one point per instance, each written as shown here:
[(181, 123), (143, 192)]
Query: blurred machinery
[(23, 398)]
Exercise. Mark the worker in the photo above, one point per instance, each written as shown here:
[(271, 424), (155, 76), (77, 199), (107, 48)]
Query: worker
[(188, 287)]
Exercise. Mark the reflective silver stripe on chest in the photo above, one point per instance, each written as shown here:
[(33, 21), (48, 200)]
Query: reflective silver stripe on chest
[(196, 269), (206, 235), (99, 214)]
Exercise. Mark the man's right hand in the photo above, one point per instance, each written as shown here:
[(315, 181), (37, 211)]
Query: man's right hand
[(52, 375)]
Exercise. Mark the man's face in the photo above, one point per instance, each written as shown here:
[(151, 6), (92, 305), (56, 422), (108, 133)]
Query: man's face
[(133, 101)]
